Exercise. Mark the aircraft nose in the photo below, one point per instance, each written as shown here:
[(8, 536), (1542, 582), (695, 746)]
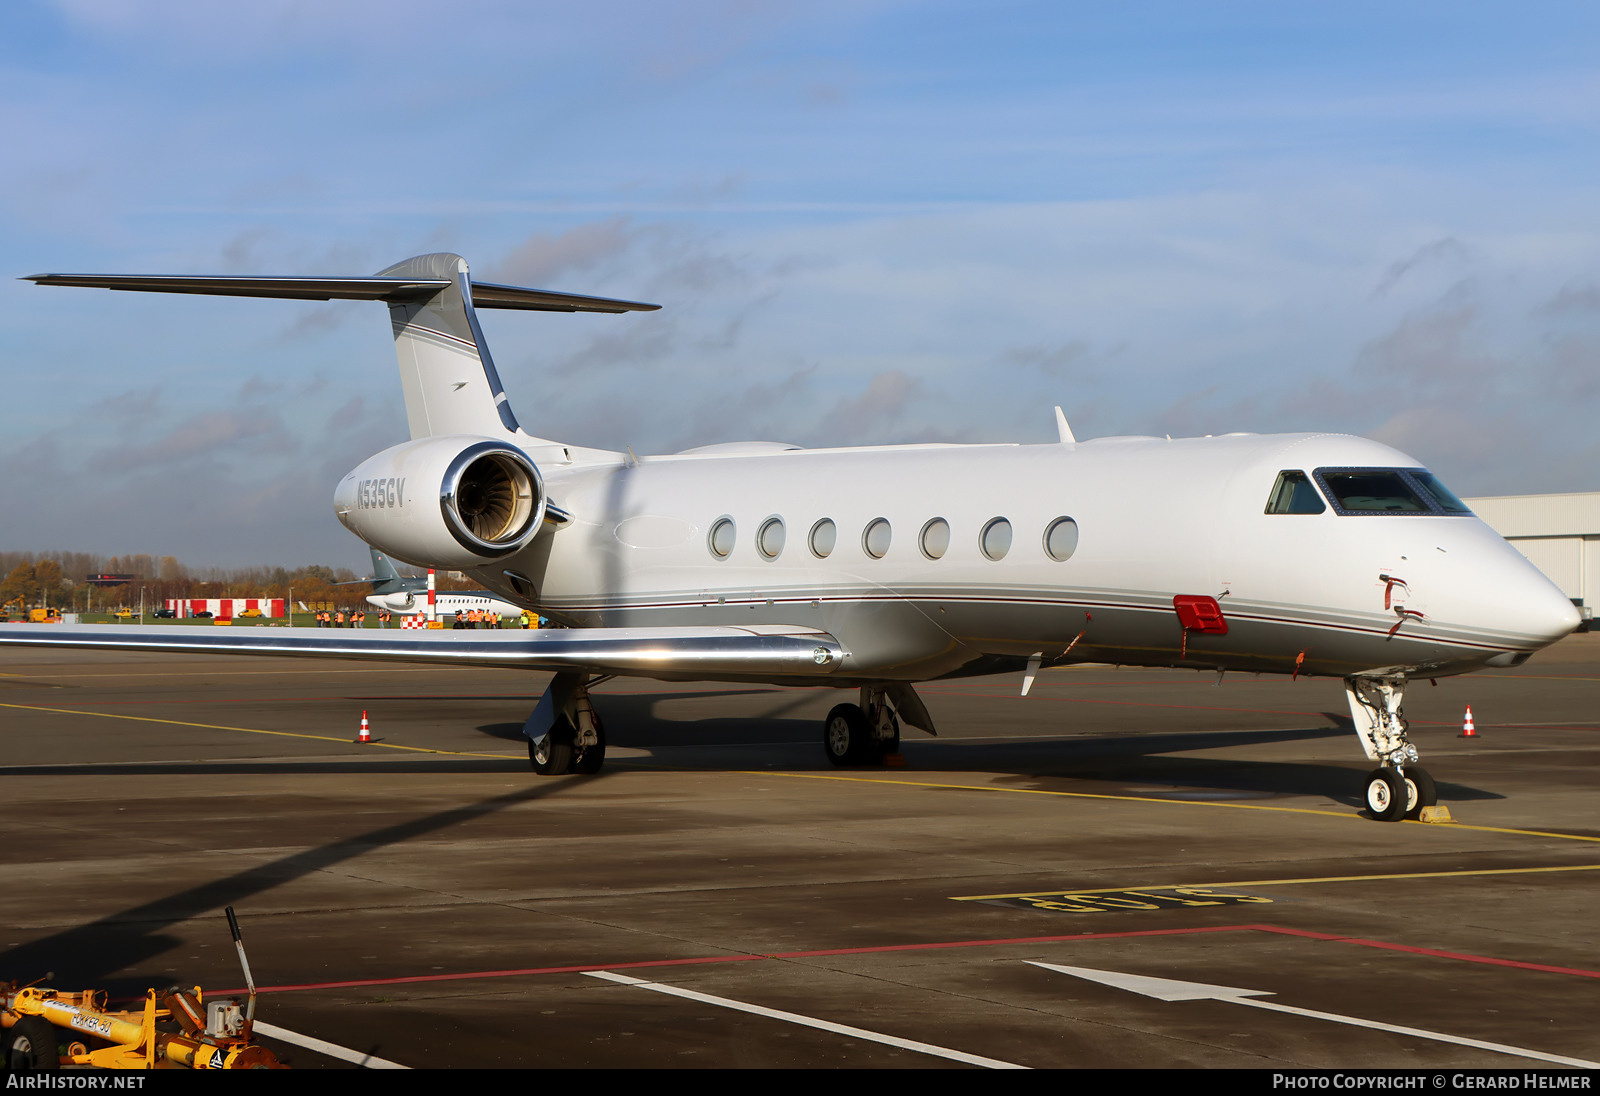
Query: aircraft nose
[(1539, 609), (1560, 618), (1506, 599)]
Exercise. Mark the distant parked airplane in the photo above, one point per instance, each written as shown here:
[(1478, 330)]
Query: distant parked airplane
[(393, 591)]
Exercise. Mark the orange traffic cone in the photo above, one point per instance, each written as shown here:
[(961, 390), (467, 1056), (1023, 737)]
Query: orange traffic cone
[(1467, 730), (366, 731)]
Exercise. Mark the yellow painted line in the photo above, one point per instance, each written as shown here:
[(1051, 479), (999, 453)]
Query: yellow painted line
[(1169, 802), (251, 730), (1045, 791), (1285, 882)]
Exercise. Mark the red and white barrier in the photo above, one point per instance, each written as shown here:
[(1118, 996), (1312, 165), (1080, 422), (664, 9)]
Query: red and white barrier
[(226, 608)]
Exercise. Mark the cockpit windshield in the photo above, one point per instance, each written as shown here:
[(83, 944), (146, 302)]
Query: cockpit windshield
[(1388, 491), (1438, 493)]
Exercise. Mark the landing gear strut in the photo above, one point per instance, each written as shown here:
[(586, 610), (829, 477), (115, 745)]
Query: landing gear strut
[(564, 732), (1398, 788), (862, 734)]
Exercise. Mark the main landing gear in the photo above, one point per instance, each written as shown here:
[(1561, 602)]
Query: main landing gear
[(862, 734), (1398, 788), (564, 732)]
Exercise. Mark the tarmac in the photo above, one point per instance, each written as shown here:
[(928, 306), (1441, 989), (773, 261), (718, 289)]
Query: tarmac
[(720, 896)]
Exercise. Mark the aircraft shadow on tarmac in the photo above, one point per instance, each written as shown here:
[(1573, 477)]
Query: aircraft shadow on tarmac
[(1118, 763), (93, 953), (1130, 763)]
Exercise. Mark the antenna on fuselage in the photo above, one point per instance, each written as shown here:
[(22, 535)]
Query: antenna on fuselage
[(1063, 429)]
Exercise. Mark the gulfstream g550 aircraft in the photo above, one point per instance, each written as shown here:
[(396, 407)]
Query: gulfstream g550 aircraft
[(878, 567)]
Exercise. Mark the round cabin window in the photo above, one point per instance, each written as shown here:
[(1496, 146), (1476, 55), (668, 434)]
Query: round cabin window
[(824, 535), (1061, 539), (770, 539), (996, 539), (721, 540), (875, 541)]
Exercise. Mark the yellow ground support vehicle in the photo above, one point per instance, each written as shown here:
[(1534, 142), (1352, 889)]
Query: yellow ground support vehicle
[(44, 616), (46, 1029), (42, 1029)]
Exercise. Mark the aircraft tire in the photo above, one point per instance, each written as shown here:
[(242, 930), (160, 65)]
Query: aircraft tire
[(1420, 791), (30, 1044), (846, 735), (1386, 795), (552, 755)]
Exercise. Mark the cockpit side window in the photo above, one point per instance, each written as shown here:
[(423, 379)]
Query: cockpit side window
[(1388, 491), (1294, 494)]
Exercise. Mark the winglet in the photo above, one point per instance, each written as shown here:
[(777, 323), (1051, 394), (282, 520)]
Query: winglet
[(1063, 429)]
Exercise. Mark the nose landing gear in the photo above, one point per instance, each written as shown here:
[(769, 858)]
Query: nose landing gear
[(1399, 788), (1393, 794)]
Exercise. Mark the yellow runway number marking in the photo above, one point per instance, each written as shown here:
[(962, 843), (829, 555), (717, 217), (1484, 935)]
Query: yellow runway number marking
[(1095, 900), (1122, 901)]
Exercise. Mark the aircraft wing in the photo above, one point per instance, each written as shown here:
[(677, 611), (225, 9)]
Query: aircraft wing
[(688, 654)]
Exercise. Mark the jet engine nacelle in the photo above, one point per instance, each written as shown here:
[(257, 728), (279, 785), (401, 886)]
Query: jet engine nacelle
[(449, 502)]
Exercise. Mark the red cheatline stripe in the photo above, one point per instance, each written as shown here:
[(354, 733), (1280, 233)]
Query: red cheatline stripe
[(884, 948)]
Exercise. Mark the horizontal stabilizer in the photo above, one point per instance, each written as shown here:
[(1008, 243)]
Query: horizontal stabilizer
[(682, 654), (446, 373), (484, 294)]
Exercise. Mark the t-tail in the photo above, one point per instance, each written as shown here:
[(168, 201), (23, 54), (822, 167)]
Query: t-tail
[(450, 383), (465, 491), (387, 580)]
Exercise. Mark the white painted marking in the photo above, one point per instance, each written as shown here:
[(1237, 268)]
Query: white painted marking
[(333, 1050), (809, 1021), (1167, 989)]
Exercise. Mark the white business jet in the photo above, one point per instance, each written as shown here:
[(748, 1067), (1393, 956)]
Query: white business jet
[(876, 567), (393, 591)]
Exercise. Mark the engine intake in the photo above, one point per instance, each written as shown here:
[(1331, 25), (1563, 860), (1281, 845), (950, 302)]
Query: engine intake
[(453, 502), (492, 498)]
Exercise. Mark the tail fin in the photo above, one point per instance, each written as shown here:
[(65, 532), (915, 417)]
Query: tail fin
[(449, 379), (385, 579), (450, 382)]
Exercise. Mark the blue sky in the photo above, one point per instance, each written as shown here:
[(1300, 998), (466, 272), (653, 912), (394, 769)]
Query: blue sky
[(867, 222)]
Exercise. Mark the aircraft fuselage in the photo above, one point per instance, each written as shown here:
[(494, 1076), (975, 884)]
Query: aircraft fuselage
[(1330, 593)]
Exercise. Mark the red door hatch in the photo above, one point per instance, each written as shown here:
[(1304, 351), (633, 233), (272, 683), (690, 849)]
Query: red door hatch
[(1200, 613)]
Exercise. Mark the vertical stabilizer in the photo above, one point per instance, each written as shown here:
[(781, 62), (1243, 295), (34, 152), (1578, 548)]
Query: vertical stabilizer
[(449, 379)]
